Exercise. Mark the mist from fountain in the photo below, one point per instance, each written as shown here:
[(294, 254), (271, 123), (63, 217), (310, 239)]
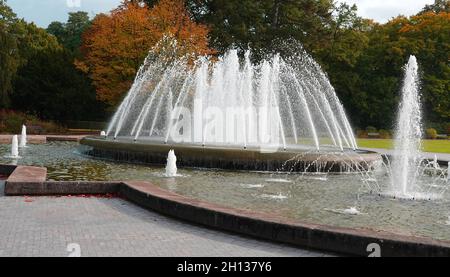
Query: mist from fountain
[(232, 101)]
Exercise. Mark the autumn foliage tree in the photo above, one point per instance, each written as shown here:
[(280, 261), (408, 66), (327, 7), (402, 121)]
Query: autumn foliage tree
[(115, 45), (380, 68)]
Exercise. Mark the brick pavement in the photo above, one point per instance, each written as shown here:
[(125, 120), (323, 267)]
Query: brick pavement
[(44, 226)]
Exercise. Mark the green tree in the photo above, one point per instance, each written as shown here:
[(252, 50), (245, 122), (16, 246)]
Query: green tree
[(255, 24), (9, 54), (69, 34), (379, 70), (437, 7), (57, 29), (32, 39), (50, 87)]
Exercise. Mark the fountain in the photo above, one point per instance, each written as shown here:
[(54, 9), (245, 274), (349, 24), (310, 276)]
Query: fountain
[(171, 167), (408, 136), (14, 148), (231, 113), (448, 172), (302, 150), (352, 211), (23, 137), (408, 170)]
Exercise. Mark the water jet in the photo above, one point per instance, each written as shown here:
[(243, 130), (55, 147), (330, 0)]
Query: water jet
[(210, 110), (14, 147), (23, 137)]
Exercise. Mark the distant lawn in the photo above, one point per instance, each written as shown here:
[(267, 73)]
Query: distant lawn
[(436, 146)]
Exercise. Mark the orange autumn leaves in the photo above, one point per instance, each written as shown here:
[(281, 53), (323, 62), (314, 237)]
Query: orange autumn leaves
[(115, 45)]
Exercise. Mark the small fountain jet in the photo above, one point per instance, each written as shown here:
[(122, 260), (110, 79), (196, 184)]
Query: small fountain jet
[(15, 148), (352, 211), (23, 137), (171, 167)]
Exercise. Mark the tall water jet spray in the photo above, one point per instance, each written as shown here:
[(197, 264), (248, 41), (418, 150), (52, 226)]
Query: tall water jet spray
[(282, 112), (232, 101), (448, 172), (23, 137), (407, 158)]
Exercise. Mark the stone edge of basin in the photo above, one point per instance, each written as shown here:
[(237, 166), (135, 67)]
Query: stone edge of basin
[(31, 181), (42, 139)]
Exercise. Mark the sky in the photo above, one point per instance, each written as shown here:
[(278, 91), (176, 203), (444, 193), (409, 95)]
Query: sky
[(43, 12), (383, 10)]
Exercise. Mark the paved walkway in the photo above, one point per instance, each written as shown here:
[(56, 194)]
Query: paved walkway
[(45, 226)]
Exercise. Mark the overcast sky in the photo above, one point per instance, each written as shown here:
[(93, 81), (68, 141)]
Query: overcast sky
[(42, 12), (383, 10)]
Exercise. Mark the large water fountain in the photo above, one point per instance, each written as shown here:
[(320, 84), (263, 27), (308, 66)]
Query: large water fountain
[(231, 113), (374, 194)]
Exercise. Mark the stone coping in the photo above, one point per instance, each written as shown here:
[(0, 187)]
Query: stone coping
[(42, 139), (294, 158), (31, 181)]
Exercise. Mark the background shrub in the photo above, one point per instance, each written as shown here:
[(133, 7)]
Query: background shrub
[(371, 129), (11, 123), (362, 134), (431, 133), (385, 134)]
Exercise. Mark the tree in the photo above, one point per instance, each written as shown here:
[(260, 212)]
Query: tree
[(57, 29), (50, 87), (32, 39), (115, 45), (438, 7), (255, 24), (348, 42), (39, 74), (427, 35), (69, 34), (378, 73), (9, 54)]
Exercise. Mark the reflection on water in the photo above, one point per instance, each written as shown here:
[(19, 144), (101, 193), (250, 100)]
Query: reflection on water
[(307, 198)]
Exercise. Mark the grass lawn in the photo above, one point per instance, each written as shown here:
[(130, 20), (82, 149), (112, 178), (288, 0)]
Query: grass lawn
[(437, 146)]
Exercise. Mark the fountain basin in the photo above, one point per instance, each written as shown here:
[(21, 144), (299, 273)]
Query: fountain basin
[(312, 198), (295, 158), (28, 181)]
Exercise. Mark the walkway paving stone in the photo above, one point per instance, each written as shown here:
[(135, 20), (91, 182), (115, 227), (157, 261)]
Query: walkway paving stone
[(45, 226)]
